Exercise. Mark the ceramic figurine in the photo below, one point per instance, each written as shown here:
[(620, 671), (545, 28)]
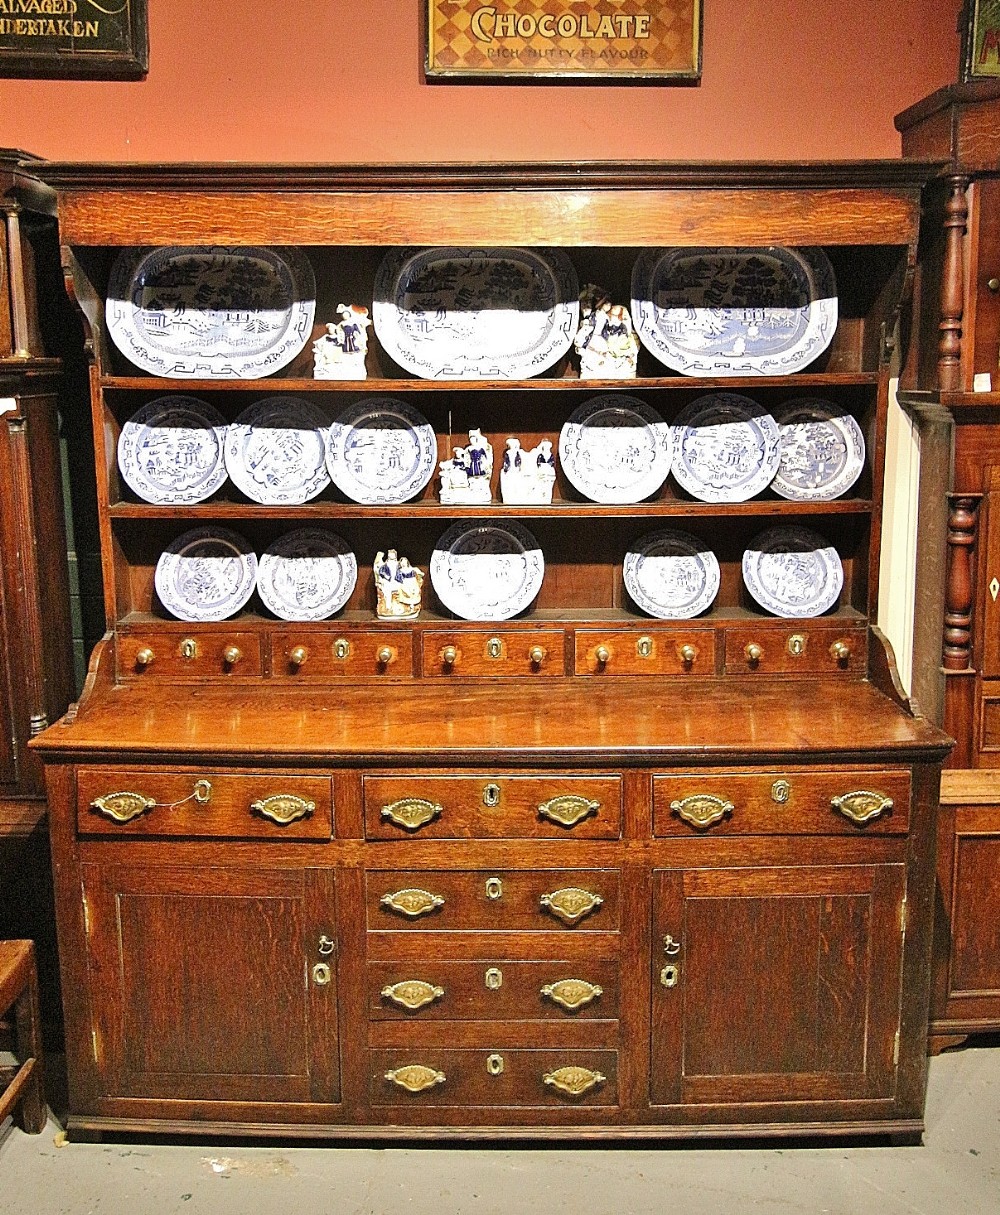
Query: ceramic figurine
[(606, 342), (465, 478), (340, 353), (397, 587), (527, 477)]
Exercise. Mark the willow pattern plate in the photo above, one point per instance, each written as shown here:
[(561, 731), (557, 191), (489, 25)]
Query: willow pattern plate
[(821, 452), (381, 451), (276, 451), (615, 449), (171, 451), (671, 574), (307, 574), (487, 571), (793, 571), (207, 574), (725, 448)]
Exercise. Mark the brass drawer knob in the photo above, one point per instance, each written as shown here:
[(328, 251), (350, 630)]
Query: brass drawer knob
[(862, 806), (412, 994), (231, 655), (415, 1077), (688, 653), (603, 655), (297, 656), (411, 813), (754, 653), (571, 903), (568, 809), (537, 655), (993, 285), (283, 808), (573, 1081), (412, 902), (385, 655), (449, 656), (144, 657), (702, 810), (841, 652), (571, 994)]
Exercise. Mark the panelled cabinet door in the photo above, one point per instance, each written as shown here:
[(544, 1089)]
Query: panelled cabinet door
[(985, 287), (213, 984), (775, 984)]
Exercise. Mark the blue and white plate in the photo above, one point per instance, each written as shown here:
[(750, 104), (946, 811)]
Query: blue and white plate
[(671, 574), (307, 574), (821, 453), (792, 571), (725, 448), (381, 451), (615, 448), (734, 311), (488, 570), (170, 452), (276, 451), (211, 312), (476, 314), (207, 574)]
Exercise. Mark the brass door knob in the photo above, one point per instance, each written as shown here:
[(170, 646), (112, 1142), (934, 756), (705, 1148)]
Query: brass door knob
[(603, 655), (231, 655), (753, 652), (449, 655), (537, 655), (688, 654), (298, 655), (144, 657)]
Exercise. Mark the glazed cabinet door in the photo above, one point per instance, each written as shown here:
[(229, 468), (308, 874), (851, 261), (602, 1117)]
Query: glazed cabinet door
[(775, 984), (213, 984)]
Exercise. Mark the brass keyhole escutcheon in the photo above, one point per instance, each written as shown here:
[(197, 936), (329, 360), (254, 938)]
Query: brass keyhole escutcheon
[(780, 792), (341, 648), (493, 978), (491, 795), (670, 974), (796, 645), (321, 974), (494, 647), (644, 647), (494, 1064), (494, 888), (189, 649)]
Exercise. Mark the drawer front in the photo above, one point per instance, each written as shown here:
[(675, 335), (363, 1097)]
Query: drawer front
[(493, 990), (783, 801), (115, 801), (360, 654), (578, 900), (493, 806), (653, 651), (796, 650), (428, 1075), (230, 655), (494, 652)]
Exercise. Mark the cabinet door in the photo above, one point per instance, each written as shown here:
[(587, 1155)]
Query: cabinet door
[(203, 986), (775, 984)]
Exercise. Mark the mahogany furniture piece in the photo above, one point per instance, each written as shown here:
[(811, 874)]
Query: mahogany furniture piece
[(956, 648), (583, 873), (24, 1089)]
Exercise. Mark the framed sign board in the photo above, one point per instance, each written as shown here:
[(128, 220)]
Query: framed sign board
[(75, 39), (981, 41), (654, 40)]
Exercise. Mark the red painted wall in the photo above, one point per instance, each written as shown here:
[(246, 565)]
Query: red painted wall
[(340, 80)]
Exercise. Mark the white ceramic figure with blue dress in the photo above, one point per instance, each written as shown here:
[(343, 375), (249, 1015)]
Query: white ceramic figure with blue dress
[(465, 477), (527, 476), (397, 586), (340, 353), (606, 341)]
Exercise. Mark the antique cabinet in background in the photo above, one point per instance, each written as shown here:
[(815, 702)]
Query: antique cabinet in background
[(951, 384)]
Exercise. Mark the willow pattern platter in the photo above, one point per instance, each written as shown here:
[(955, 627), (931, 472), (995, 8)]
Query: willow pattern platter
[(171, 451), (276, 451), (488, 570), (211, 312), (207, 574), (821, 452), (671, 574), (734, 311), (793, 571), (725, 448), (615, 449), (381, 451), (474, 314), (307, 574)]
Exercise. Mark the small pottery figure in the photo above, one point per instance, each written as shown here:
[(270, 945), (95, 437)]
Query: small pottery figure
[(397, 587), (466, 476), (527, 477), (340, 353), (606, 342)]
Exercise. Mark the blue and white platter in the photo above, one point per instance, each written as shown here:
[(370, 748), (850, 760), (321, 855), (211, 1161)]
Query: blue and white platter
[(381, 451), (171, 451), (211, 312), (725, 448), (793, 572), (476, 314), (615, 449), (671, 574), (207, 574), (276, 451), (821, 453), (734, 311), (488, 570), (307, 574)]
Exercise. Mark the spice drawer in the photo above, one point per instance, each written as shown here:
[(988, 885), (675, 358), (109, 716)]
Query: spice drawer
[(494, 900), (484, 806), (790, 801), (653, 651), (115, 801), (427, 1075), (303, 655), (174, 655), (498, 989)]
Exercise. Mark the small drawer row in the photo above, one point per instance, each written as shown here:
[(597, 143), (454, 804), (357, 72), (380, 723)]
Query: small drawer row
[(357, 653)]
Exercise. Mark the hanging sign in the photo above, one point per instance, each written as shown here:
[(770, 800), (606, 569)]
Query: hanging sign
[(96, 39), (622, 39)]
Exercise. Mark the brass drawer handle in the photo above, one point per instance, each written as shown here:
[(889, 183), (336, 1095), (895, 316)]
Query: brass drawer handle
[(862, 806), (412, 902), (412, 993), (571, 903), (124, 806), (702, 810), (411, 813), (573, 1081), (572, 994), (568, 809), (283, 808), (415, 1077)]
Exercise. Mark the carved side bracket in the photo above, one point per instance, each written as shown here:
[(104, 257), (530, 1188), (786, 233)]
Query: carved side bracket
[(963, 522)]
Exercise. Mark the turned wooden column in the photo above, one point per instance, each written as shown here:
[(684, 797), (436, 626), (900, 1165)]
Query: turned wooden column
[(962, 526), (956, 213)]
